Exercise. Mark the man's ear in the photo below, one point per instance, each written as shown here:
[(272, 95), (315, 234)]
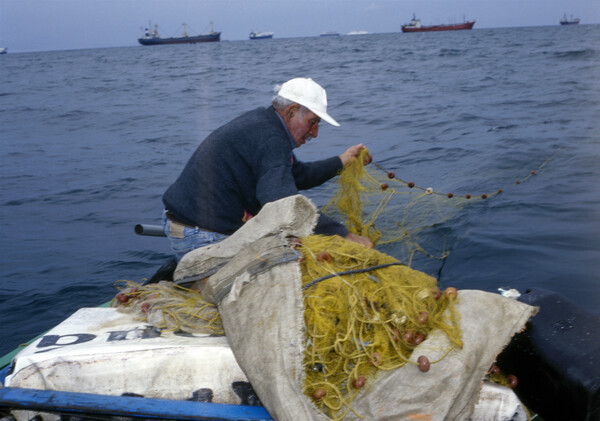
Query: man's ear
[(292, 110)]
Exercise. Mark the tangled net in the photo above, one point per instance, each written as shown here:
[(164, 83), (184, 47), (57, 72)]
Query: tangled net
[(368, 318), (169, 307), (404, 219)]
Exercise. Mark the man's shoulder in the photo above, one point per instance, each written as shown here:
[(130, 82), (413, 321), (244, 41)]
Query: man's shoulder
[(259, 113), (262, 122), (257, 131)]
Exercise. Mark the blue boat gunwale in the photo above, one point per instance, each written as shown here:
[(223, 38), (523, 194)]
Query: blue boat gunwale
[(126, 406), (14, 398)]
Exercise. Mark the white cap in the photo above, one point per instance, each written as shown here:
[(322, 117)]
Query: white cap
[(308, 93)]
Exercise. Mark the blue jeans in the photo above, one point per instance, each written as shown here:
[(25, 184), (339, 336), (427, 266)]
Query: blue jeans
[(184, 239)]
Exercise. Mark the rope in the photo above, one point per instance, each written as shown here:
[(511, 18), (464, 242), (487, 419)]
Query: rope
[(350, 272)]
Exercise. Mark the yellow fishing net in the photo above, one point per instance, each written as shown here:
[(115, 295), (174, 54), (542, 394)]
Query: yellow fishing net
[(365, 311), (409, 221), (168, 307), (395, 214)]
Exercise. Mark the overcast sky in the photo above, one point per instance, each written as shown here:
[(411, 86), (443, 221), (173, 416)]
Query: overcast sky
[(40, 25)]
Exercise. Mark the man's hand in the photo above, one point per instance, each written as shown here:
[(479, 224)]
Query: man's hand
[(360, 240), (352, 152)]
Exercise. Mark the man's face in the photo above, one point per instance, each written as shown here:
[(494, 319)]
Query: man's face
[(303, 126)]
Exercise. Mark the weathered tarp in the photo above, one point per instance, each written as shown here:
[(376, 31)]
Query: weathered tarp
[(260, 300), (104, 351)]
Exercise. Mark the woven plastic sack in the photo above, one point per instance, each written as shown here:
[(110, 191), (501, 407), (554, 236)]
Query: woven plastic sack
[(259, 297)]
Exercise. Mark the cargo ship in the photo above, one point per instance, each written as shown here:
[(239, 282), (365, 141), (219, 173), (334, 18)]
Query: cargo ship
[(261, 35), (152, 37), (569, 21), (415, 26)]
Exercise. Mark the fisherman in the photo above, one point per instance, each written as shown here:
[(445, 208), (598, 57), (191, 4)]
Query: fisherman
[(249, 162)]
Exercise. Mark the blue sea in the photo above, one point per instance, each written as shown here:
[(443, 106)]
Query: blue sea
[(90, 139)]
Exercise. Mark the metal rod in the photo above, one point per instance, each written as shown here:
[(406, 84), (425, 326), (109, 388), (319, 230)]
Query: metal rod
[(149, 230)]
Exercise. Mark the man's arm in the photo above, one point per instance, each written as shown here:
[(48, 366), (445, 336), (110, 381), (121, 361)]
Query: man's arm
[(312, 174), (308, 175)]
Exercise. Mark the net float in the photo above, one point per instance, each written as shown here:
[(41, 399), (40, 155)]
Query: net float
[(122, 297), (319, 394), (375, 359), (359, 382), (419, 337), (408, 336), (424, 363), (495, 370), (450, 293)]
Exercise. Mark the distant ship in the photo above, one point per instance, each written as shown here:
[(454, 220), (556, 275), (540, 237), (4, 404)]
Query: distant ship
[(357, 33), (330, 34), (569, 21), (151, 37), (261, 35), (415, 26), (3, 50)]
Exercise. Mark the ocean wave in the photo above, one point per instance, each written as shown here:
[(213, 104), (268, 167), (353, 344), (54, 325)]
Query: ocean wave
[(585, 53)]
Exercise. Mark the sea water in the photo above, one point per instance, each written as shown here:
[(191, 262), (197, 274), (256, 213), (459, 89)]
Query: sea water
[(90, 139)]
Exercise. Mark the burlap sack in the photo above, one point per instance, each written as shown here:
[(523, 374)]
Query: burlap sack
[(293, 216)]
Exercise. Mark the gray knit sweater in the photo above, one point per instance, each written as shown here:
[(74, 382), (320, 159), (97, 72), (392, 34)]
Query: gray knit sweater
[(241, 166)]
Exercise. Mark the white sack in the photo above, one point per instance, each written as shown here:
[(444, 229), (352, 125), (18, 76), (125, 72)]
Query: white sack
[(101, 350)]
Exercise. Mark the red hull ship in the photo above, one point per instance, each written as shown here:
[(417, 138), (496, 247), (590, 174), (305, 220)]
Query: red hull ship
[(415, 26)]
